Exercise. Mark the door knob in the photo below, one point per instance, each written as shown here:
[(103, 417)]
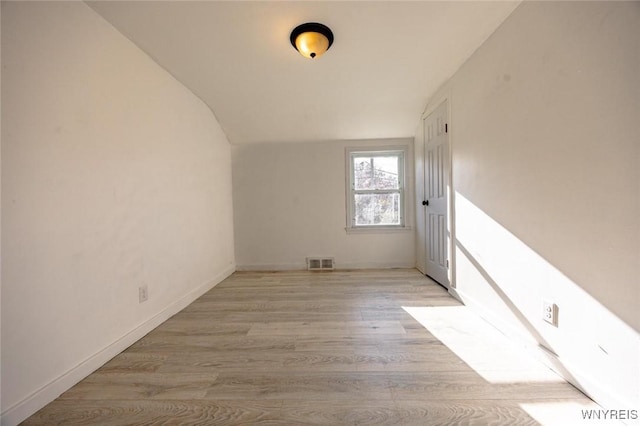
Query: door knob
[(425, 203)]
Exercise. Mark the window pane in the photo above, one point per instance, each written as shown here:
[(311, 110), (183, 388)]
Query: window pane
[(386, 172), (377, 209), (363, 177), (376, 172)]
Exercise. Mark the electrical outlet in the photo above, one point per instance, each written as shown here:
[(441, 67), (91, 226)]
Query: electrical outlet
[(143, 293), (550, 312)]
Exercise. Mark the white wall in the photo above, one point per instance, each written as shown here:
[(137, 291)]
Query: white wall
[(289, 203), (546, 175), (114, 175)]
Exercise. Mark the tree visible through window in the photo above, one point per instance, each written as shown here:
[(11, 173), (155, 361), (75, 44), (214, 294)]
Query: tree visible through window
[(376, 188)]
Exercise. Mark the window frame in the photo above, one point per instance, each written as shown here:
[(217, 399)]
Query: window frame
[(399, 151)]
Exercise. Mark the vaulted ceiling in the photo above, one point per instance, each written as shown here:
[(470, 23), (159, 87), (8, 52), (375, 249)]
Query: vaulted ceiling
[(387, 59)]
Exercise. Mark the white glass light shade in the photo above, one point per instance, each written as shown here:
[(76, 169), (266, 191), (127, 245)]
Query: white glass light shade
[(312, 44)]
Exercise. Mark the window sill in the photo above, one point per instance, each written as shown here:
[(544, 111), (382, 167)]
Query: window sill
[(377, 229)]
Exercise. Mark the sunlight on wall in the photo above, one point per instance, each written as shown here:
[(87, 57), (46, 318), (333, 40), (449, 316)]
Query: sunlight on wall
[(507, 282)]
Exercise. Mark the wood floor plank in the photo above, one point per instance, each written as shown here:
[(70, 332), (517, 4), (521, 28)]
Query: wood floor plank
[(142, 386), (323, 328), (331, 412), (164, 344), (135, 362), (160, 412), (465, 385), (340, 348), (471, 412), (302, 386)]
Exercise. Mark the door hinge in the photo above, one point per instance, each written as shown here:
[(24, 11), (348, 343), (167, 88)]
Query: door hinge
[(447, 263), (446, 127)]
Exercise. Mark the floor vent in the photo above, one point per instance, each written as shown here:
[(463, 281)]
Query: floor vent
[(320, 263)]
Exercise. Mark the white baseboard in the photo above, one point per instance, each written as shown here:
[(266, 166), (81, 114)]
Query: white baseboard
[(272, 267), (580, 379), (43, 396), (376, 265), (339, 266), (453, 292)]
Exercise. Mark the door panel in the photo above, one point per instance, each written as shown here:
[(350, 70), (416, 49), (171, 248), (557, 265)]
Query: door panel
[(436, 148)]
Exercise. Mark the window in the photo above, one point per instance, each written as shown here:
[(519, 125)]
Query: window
[(375, 191)]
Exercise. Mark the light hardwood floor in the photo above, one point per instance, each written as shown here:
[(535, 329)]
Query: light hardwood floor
[(335, 348)]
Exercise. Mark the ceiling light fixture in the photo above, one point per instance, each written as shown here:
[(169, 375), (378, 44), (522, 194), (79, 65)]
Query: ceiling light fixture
[(311, 39)]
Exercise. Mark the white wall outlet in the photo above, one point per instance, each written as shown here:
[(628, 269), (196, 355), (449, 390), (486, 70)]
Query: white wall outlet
[(550, 312), (143, 293)]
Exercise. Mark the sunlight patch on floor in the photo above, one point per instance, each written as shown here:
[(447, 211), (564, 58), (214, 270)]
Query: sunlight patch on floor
[(481, 346)]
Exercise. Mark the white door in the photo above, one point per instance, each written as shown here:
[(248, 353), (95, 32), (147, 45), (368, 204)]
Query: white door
[(436, 183)]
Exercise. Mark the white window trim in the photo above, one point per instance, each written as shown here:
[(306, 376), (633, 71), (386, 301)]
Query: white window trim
[(403, 152)]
